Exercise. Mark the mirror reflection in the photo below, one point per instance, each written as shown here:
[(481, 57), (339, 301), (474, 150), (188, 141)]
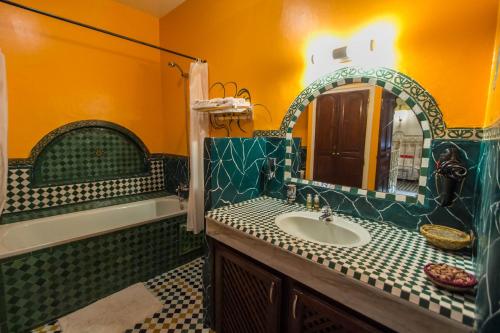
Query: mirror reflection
[(360, 136)]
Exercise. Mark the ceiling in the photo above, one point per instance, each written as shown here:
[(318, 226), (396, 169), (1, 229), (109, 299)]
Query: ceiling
[(157, 8)]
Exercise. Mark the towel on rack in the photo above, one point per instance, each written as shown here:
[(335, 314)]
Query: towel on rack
[(221, 103), (3, 133)]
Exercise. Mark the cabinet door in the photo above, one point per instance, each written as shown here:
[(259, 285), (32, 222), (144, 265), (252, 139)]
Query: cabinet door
[(309, 314), (247, 297)]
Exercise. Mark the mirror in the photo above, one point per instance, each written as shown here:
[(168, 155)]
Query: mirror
[(361, 136)]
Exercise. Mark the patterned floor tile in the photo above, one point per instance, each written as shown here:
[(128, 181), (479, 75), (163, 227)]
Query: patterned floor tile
[(181, 292)]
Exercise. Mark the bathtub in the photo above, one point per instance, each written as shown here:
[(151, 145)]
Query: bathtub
[(28, 236)]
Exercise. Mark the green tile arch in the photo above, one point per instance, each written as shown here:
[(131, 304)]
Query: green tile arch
[(410, 91), (88, 150)]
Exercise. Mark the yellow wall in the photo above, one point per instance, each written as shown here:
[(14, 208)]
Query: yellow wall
[(445, 45), (58, 73), (493, 108)]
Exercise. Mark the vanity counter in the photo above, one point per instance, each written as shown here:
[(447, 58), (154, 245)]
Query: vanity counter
[(390, 267)]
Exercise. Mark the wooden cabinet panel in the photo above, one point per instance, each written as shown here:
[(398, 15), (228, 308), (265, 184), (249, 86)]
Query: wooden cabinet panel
[(247, 297), (309, 314), (252, 298)]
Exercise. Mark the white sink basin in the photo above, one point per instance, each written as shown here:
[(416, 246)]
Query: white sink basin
[(306, 225)]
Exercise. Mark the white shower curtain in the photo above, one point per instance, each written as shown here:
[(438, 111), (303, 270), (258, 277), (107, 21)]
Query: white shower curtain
[(3, 133), (198, 131)]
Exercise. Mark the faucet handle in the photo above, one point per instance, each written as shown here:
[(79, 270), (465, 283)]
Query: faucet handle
[(326, 210)]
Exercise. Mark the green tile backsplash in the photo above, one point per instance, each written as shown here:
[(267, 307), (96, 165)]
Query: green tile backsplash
[(488, 228)]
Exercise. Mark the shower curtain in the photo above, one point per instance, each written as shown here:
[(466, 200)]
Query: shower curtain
[(198, 130), (3, 133)]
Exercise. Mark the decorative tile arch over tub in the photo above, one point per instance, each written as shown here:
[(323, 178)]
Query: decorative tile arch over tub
[(83, 161), (413, 94)]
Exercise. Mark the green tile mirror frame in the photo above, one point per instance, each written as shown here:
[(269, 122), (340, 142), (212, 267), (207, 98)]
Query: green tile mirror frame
[(401, 85), (81, 162)]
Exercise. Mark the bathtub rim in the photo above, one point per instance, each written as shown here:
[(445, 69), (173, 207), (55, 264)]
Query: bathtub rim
[(6, 254)]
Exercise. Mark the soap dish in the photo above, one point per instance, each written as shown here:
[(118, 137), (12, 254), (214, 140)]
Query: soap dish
[(445, 237), (449, 277)]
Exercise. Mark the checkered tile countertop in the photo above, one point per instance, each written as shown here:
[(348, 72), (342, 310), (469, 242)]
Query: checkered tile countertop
[(393, 261), (181, 292)]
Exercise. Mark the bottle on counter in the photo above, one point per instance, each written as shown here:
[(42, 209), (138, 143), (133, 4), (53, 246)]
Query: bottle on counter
[(309, 201), (291, 193), (316, 202)]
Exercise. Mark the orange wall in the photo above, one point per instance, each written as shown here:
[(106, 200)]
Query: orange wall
[(493, 108), (58, 73), (445, 45)]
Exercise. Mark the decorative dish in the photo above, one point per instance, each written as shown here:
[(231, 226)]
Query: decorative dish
[(450, 277)]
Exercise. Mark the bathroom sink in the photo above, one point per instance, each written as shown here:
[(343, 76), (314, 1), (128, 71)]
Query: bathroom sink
[(340, 232)]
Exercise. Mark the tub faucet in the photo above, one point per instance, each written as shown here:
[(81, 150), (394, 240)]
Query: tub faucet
[(326, 214), (182, 188)]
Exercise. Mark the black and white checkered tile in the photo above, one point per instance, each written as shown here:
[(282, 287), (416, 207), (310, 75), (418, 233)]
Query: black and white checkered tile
[(392, 261), (181, 292), (23, 197)]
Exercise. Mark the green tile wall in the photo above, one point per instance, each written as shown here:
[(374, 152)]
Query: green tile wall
[(88, 154), (487, 220), (47, 284)]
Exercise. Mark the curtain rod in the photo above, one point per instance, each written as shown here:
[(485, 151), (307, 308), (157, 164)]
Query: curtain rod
[(107, 32)]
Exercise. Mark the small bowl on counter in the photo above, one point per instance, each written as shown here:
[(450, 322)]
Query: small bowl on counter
[(450, 277), (445, 237)]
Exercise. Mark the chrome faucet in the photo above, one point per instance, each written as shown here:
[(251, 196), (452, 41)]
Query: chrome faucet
[(326, 214)]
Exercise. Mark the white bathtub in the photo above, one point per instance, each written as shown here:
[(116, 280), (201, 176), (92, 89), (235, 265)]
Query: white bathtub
[(23, 237)]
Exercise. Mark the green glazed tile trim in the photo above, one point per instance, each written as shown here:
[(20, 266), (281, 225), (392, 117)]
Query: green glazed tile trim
[(72, 208)]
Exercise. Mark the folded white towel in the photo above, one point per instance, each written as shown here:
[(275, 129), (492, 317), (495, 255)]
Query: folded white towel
[(228, 102)]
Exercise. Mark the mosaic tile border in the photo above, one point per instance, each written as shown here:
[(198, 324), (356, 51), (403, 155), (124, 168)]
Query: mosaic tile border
[(392, 261), (422, 103), (47, 139), (420, 100), (72, 208), (23, 196), (492, 132), (405, 87)]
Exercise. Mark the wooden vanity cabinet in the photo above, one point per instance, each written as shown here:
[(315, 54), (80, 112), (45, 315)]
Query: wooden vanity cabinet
[(250, 297), (309, 314), (247, 297)]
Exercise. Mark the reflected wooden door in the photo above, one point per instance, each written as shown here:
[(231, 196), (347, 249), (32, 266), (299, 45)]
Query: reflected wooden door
[(385, 141), (340, 138)]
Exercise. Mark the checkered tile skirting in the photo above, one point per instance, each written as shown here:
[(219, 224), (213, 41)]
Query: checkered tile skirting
[(23, 196), (393, 261), (180, 290)]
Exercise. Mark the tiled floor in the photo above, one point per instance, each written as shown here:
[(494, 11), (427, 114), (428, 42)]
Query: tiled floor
[(180, 290)]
